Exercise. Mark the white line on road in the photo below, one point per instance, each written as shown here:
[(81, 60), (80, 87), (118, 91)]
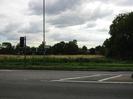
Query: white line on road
[(93, 82), (101, 80), (77, 77), (6, 70)]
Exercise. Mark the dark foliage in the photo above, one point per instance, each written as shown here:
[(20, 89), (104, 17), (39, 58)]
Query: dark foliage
[(61, 48), (119, 45)]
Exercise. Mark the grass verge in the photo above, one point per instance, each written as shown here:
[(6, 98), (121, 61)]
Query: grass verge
[(79, 62)]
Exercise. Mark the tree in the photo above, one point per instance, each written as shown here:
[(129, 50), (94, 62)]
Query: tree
[(6, 45), (64, 48), (59, 48), (92, 51), (21, 50), (40, 49), (84, 50), (99, 50), (7, 48), (33, 50), (71, 47), (119, 45), (18, 49)]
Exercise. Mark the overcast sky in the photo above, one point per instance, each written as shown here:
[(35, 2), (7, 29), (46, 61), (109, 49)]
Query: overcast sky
[(20, 18), (87, 21)]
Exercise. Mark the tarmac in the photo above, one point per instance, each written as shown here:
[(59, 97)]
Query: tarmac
[(44, 84)]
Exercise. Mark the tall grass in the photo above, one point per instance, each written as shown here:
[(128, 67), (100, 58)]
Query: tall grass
[(63, 62), (53, 58)]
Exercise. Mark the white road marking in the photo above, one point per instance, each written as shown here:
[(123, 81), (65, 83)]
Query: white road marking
[(94, 82), (101, 80), (7, 70), (77, 77)]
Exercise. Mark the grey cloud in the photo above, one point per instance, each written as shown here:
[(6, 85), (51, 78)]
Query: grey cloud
[(65, 37), (64, 21), (47, 30), (36, 7), (23, 12), (33, 27), (80, 37), (125, 2), (104, 30), (11, 27), (9, 36), (90, 25), (77, 18), (60, 6), (10, 31), (121, 2), (70, 16), (116, 2), (12, 37)]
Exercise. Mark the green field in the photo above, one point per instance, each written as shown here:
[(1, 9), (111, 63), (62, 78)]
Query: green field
[(64, 62)]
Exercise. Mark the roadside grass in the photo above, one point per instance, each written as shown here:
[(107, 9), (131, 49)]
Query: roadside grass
[(64, 62)]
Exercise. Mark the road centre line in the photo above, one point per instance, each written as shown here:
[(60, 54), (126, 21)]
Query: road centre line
[(101, 80), (77, 77)]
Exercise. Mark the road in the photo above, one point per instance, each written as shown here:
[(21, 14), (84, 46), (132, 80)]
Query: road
[(35, 84)]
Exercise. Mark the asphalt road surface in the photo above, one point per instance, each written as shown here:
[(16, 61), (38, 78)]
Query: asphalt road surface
[(29, 84)]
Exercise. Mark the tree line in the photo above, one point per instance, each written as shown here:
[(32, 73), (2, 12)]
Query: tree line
[(61, 48)]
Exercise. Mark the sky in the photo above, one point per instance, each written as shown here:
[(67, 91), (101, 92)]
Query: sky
[(87, 21), (21, 18)]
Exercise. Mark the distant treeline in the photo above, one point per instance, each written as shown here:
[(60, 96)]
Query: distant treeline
[(119, 45), (61, 48)]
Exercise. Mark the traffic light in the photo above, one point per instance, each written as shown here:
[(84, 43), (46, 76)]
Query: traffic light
[(22, 41)]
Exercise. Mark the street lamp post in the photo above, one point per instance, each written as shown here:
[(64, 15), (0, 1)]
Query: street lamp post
[(44, 40)]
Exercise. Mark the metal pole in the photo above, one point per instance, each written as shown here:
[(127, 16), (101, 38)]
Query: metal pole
[(44, 40)]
